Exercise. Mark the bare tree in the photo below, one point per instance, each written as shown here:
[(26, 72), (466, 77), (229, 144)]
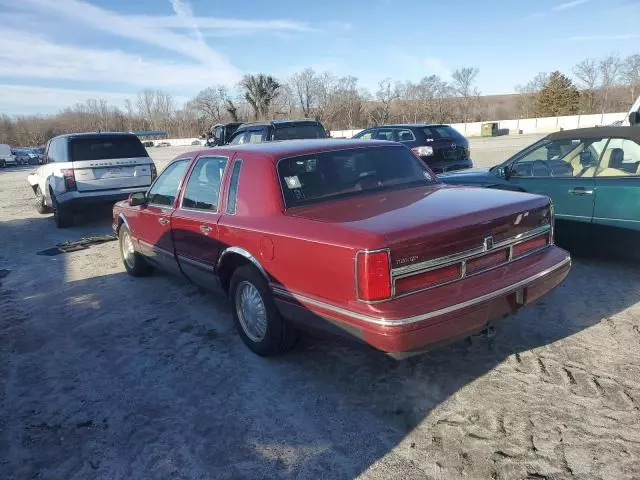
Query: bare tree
[(387, 93), (610, 70), (210, 103), (464, 80), (259, 91), (304, 86), (631, 75), (588, 75), (528, 93)]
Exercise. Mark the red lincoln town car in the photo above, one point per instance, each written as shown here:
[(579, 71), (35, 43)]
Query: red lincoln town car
[(360, 238)]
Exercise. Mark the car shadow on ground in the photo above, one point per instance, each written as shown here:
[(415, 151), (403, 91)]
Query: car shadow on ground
[(115, 377)]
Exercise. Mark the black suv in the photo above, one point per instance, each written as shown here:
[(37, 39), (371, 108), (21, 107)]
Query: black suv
[(278, 130), (221, 134), (441, 147)]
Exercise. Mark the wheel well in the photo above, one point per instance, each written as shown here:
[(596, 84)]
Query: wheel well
[(230, 264), (35, 189)]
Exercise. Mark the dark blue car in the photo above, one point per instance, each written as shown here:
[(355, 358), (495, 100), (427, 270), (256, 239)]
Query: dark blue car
[(441, 147)]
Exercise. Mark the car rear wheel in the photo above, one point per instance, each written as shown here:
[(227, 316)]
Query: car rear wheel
[(61, 215), (41, 205), (257, 319), (134, 263)]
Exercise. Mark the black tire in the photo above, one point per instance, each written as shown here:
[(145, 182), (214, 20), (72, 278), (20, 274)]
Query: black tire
[(61, 215), (134, 263), (41, 206), (279, 335), (3, 164)]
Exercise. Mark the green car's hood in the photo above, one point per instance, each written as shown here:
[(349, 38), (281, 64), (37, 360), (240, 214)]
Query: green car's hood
[(466, 175)]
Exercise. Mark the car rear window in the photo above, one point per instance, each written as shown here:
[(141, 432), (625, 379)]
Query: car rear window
[(326, 175), (292, 132), (441, 131), (105, 148)]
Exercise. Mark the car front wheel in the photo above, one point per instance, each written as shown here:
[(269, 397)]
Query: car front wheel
[(134, 263), (257, 319)]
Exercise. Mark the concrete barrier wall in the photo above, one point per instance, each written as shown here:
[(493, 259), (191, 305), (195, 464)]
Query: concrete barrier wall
[(524, 125)]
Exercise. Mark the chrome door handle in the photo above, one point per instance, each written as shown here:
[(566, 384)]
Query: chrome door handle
[(205, 229), (581, 191), (163, 221)]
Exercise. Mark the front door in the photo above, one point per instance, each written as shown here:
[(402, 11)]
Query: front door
[(564, 170), (195, 221), (151, 224)]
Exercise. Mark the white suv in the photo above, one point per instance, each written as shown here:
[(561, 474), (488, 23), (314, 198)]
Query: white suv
[(85, 169)]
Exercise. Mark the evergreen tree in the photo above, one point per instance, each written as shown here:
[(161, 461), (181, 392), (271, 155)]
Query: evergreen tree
[(558, 97)]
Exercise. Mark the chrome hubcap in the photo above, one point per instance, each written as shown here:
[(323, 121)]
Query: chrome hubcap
[(128, 252), (251, 311)]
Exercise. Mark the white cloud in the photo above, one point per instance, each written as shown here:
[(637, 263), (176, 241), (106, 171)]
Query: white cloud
[(436, 66), (603, 38), (67, 62), (24, 99), (567, 5)]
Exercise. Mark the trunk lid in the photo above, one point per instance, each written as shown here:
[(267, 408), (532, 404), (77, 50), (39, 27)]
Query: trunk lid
[(425, 223)]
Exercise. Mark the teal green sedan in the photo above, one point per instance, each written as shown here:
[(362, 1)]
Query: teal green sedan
[(591, 174)]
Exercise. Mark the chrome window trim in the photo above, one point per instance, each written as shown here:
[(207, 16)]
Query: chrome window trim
[(186, 185), (355, 271), (400, 272), (424, 316), (237, 161)]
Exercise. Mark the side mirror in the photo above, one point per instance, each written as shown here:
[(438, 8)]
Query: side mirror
[(634, 118), (506, 172), (138, 198)]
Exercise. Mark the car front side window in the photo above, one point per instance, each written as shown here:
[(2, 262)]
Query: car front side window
[(560, 158), (203, 187), (164, 190), (364, 135)]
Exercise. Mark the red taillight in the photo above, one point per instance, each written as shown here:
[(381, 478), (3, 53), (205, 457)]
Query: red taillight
[(428, 279), (487, 261), (69, 179), (530, 245), (154, 172), (373, 276)]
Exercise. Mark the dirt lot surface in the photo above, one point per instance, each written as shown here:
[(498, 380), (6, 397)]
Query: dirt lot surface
[(105, 376)]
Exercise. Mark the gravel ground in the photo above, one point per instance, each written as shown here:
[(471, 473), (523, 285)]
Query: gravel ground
[(105, 376)]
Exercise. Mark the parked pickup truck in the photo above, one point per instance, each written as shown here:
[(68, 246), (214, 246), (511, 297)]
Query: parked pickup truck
[(358, 238)]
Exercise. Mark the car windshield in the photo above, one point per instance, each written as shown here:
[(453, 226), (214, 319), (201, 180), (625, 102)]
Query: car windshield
[(292, 132), (356, 171), (105, 147)]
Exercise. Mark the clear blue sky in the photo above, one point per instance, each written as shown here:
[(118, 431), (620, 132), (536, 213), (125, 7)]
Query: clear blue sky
[(56, 52)]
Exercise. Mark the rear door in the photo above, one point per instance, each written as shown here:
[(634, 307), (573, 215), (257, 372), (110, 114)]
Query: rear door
[(617, 183), (106, 162), (195, 222), (151, 223)]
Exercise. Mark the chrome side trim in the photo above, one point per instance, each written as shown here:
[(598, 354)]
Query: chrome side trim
[(194, 263), (457, 257), (155, 248), (424, 316), (616, 219), (245, 254)]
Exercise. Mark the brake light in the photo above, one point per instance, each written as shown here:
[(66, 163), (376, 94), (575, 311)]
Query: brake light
[(154, 172), (373, 275), (429, 279), (423, 151), (530, 245), (69, 179)]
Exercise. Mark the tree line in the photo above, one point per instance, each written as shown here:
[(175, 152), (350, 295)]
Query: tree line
[(341, 103)]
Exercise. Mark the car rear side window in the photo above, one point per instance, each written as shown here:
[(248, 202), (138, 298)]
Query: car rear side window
[(321, 176), (203, 187), (232, 199), (293, 132), (106, 148), (441, 131)]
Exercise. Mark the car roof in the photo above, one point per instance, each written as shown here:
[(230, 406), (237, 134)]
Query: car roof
[(632, 132), (95, 134), (281, 122), (412, 125), (291, 148)]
